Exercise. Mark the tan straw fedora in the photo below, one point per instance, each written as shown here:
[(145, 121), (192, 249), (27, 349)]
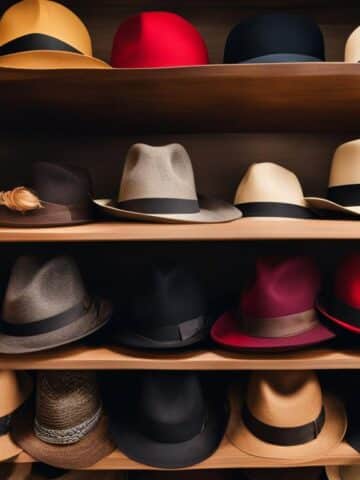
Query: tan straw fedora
[(15, 389), (269, 190), (158, 185), (313, 424), (352, 47), (343, 195), (15, 471), (347, 472), (46, 305), (67, 427)]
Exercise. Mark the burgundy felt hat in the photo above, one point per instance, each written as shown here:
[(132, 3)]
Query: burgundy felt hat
[(341, 302), (277, 309)]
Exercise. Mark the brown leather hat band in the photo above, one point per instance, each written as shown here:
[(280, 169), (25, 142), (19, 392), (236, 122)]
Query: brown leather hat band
[(283, 436)]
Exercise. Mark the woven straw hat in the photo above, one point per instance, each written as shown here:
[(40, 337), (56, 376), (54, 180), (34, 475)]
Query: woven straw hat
[(347, 472), (15, 389), (314, 422), (343, 197), (352, 47), (46, 305), (269, 190), (67, 427), (158, 185), (15, 471), (44, 34)]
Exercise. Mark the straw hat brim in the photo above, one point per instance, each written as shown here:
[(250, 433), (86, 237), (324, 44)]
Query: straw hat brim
[(324, 204), (338, 321), (330, 436), (89, 450), (16, 471), (211, 211), (89, 323), (49, 60), (226, 332)]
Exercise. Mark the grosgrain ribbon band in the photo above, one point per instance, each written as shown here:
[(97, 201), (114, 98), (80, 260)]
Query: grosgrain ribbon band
[(182, 331), (346, 195), (160, 205), (5, 425), (338, 309), (274, 209), (36, 41), (283, 436)]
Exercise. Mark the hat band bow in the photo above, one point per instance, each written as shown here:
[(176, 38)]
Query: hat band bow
[(182, 331), (36, 41)]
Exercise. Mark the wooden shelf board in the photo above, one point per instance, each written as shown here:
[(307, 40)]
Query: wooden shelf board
[(227, 456), (243, 229), (87, 358)]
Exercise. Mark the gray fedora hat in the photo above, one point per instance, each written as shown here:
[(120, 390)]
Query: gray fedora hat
[(46, 305), (158, 185)]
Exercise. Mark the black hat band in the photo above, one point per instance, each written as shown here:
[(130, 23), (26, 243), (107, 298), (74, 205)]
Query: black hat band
[(5, 424), (160, 205), (338, 309), (274, 209), (182, 331), (346, 195), (36, 41)]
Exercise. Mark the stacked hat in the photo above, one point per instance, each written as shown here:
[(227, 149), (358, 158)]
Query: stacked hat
[(44, 34), (66, 428), (315, 422), (157, 39), (277, 309), (158, 185), (273, 38), (46, 305), (346, 472)]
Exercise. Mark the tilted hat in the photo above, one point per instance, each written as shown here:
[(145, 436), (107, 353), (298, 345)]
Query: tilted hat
[(15, 389), (345, 472), (168, 421), (44, 34), (46, 305), (343, 196), (316, 473), (168, 310), (269, 190), (273, 38), (340, 301), (15, 471), (67, 427), (314, 422), (352, 47), (158, 185), (157, 39), (60, 195), (277, 309)]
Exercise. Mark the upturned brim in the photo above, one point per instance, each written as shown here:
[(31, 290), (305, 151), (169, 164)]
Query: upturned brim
[(49, 60), (211, 211), (338, 321), (227, 333), (89, 450), (327, 205), (330, 436), (84, 326)]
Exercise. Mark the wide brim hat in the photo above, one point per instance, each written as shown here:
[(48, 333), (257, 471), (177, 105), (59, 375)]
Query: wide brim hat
[(329, 437), (48, 60), (89, 322), (347, 472), (16, 471), (92, 448)]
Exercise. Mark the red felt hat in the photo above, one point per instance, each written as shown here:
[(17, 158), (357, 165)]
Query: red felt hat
[(341, 303), (276, 310), (157, 39)]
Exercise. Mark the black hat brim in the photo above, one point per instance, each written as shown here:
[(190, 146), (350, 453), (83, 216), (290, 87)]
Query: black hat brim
[(283, 58)]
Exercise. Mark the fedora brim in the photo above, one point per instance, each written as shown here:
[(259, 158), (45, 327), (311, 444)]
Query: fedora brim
[(284, 58), (211, 211), (49, 60), (342, 323), (226, 332), (330, 436), (84, 326), (89, 450), (324, 204)]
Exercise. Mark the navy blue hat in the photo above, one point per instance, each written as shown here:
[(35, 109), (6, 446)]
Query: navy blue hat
[(275, 37)]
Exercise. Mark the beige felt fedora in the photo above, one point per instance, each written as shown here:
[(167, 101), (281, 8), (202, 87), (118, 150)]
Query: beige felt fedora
[(67, 427), (158, 185), (15, 471), (269, 190), (15, 389), (352, 47), (46, 305), (314, 422), (348, 472), (343, 197)]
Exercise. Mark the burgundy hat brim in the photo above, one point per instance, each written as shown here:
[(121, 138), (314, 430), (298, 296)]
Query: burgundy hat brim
[(226, 332), (338, 321)]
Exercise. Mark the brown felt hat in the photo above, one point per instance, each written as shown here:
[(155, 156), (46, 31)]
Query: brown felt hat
[(315, 422), (46, 305), (15, 389), (15, 471), (67, 427), (158, 185), (346, 472)]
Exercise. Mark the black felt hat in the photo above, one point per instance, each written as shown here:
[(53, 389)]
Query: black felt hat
[(273, 38), (167, 310), (168, 421)]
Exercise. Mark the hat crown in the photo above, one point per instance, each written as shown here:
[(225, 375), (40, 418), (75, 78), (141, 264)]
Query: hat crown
[(345, 167), (171, 407), (39, 289), (352, 47), (298, 393), (44, 17), (13, 385), (157, 172), (269, 182), (347, 281)]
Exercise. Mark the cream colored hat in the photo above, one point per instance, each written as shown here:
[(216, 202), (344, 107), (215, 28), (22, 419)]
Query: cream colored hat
[(343, 195), (269, 190), (15, 471), (158, 185), (352, 47), (348, 472)]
